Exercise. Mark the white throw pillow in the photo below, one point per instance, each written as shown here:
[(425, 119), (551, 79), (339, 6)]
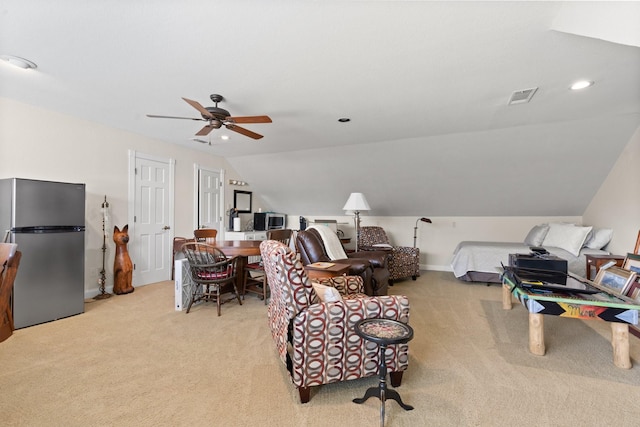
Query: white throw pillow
[(569, 237), (326, 293), (598, 238), (536, 235)]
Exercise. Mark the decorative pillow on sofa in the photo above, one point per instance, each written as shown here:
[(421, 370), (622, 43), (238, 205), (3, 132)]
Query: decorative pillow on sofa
[(326, 293), (536, 235), (598, 238), (569, 237)]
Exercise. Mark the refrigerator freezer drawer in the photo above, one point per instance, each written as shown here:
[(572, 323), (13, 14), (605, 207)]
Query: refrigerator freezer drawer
[(50, 283)]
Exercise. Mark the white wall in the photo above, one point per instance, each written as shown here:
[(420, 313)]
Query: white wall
[(617, 204), (40, 144)]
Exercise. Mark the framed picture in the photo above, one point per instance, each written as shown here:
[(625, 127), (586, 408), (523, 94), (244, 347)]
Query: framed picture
[(242, 201), (615, 279), (632, 263), (634, 290)]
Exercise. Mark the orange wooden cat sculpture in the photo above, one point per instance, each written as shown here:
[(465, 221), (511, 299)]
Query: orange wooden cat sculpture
[(122, 266)]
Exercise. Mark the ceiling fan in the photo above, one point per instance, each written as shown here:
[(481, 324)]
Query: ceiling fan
[(217, 117)]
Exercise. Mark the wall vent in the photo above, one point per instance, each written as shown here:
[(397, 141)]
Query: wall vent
[(522, 96)]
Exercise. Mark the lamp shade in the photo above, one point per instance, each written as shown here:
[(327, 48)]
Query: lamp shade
[(356, 203)]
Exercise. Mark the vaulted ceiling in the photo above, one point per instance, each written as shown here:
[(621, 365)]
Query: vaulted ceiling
[(426, 85)]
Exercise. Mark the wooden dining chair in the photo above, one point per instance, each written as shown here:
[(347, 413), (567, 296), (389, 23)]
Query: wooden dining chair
[(177, 248), (255, 279), (205, 235), (211, 271), (9, 262)]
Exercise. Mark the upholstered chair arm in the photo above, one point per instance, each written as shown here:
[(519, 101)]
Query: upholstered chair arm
[(326, 349), (377, 247), (356, 265), (404, 262), (378, 259), (407, 250), (346, 285)]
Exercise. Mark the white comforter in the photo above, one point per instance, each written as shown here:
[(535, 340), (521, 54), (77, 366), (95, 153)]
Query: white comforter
[(486, 257)]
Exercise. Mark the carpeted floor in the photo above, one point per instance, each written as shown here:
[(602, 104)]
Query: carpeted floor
[(132, 360)]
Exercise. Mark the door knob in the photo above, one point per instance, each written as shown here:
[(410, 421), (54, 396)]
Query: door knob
[(166, 227)]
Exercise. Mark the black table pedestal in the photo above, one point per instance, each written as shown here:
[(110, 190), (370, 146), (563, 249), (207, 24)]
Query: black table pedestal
[(381, 391)]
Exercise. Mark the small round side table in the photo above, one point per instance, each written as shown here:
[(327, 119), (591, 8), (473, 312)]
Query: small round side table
[(383, 332)]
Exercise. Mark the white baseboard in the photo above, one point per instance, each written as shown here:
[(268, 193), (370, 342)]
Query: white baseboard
[(435, 267)]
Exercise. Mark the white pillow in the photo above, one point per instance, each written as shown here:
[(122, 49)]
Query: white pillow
[(536, 235), (326, 293), (598, 238), (569, 237)]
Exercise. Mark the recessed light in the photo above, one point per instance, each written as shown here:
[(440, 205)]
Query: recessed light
[(581, 84), (224, 137), (344, 120), (16, 61)]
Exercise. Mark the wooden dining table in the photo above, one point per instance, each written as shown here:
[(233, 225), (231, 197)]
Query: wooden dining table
[(242, 249)]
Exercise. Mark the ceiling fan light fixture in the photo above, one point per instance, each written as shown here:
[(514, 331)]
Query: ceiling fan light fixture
[(581, 84), (218, 117), (16, 61)]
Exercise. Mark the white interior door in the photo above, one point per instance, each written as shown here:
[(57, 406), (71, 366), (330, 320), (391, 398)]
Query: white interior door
[(210, 200), (150, 245)]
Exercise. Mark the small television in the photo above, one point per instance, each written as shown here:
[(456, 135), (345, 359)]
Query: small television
[(263, 221)]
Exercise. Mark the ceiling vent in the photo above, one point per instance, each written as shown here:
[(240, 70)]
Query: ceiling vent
[(522, 96)]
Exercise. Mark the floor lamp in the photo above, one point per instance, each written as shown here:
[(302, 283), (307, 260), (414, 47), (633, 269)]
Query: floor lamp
[(415, 229), (356, 203), (103, 275)]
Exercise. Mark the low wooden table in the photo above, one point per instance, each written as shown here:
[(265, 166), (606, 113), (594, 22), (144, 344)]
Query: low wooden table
[(323, 270), (598, 261), (619, 311)]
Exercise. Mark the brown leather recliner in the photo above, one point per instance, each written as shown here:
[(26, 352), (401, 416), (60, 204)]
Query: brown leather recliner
[(370, 265)]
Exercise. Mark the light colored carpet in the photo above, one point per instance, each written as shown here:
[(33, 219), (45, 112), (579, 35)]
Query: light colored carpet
[(132, 360)]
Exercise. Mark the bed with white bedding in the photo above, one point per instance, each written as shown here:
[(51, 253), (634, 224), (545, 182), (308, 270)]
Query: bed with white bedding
[(481, 261)]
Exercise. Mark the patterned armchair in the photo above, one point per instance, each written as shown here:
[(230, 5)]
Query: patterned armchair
[(404, 261), (316, 340)]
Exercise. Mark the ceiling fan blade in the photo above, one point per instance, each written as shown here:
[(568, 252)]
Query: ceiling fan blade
[(245, 132), (250, 119), (199, 107), (205, 130), (154, 116)]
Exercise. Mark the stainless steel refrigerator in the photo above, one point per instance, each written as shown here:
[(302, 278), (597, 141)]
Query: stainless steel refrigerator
[(46, 220)]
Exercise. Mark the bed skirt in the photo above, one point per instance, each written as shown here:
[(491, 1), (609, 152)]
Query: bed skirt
[(480, 276)]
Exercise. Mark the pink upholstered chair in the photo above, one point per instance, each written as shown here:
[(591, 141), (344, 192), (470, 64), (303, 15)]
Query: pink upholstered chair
[(316, 340), (404, 261)]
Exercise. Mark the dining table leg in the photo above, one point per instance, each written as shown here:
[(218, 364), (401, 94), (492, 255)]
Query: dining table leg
[(242, 263)]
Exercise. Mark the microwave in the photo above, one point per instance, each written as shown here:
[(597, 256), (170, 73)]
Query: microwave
[(263, 221)]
